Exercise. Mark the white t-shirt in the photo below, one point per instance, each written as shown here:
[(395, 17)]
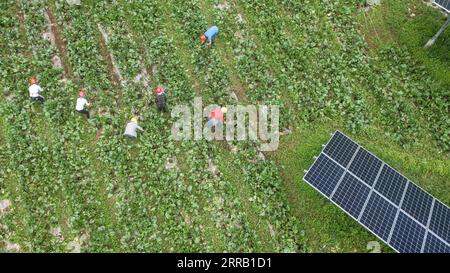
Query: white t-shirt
[(81, 102), (34, 90), (131, 128)]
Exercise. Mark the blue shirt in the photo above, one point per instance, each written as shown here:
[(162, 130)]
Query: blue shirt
[(211, 33)]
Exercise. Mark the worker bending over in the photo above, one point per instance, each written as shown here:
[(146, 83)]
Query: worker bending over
[(209, 35), (132, 127), (82, 103), (216, 117), (161, 99), (34, 90)]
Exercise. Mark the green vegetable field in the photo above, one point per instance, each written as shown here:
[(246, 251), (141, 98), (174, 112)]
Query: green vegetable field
[(68, 184)]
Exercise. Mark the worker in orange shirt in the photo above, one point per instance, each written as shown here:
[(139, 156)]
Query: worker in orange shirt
[(216, 117)]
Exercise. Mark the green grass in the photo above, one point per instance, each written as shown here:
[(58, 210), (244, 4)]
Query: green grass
[(327, 228), (410, 24)]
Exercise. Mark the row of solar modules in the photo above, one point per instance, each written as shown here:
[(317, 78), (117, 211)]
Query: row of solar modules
[(445, 4), (396, 210)]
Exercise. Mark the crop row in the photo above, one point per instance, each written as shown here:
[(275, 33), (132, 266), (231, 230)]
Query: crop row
[(170, 191), (266, 196), (211, 195), (30, 160)]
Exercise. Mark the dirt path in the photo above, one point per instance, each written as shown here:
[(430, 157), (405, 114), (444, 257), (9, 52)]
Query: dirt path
[(114, 72), (59, 43), (147, 68), (116, 76)]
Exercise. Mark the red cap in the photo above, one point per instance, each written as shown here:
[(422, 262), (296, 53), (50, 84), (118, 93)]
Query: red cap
[(159, 90), (33, 80), (82, 93), (203, 38)]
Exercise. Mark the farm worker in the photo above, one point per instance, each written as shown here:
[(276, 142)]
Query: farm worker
[(216, 117), (82, 103), (161, 99), (132, 126), (34, 90), (209, 35)]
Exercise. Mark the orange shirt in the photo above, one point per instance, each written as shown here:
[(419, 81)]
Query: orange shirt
[(217, 114)]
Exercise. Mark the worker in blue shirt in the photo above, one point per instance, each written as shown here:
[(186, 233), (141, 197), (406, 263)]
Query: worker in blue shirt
[(209, 35)]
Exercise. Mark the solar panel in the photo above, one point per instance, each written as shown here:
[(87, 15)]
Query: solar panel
[(325, 175), (445, 4), (351, 194), (396, 210), (379, 216), (391, 184), (417, 203), (365, 166), (434, 245), (440, 221), (341, 149), (408, 235)]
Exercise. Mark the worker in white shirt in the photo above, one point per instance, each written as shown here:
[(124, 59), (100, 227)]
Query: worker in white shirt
[(132, 126), (34, 90), (81, 104)]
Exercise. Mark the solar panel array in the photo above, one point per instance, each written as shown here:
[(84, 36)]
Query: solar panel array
[(385, 202), (445, 4)]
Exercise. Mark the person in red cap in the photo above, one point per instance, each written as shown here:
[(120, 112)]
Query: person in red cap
[(34, 90), (209, 35), (161, 99), (82, 103)]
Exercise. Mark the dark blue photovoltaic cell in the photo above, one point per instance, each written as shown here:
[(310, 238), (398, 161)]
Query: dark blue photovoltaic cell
[(341, 149), (444, 3), (440, 221), (351, 195), (391, 184), (399, 212), (365, 166), (379, 216), (417, 203), (324, 175), (408, 235), (434, 245)]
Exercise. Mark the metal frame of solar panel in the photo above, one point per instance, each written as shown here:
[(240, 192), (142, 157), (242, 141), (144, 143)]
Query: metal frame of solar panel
[(392, 207), (445, 4)]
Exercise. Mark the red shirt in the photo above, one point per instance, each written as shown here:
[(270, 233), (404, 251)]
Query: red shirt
[(217, 114)]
